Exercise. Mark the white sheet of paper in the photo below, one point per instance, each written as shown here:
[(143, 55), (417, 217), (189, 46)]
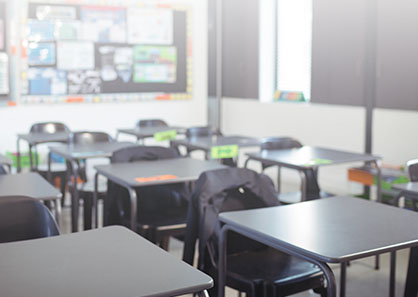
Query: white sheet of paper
[(75, 55), (150, 26)]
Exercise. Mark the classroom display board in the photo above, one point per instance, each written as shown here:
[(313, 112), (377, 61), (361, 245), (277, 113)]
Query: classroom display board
[(95, 51), (4, 58)]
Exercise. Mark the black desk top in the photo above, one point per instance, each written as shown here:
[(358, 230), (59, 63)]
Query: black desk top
[(5, 160), (332, 230), (174, 170), (27, 184), (206, 143), (150, 131), (107, 262), (411, 187), (308, 157), (38, 138), (96, 150)]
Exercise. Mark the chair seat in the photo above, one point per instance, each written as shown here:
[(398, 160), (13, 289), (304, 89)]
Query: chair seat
[(55, 168), (272, 266), (89, 187)]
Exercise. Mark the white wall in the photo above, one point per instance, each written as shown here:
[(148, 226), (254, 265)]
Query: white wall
[(110, 116), (340, 127)]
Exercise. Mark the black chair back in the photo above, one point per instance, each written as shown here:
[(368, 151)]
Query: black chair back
[(49, 127), (152, 199), (280, 143), (88, 137), (413, 170), (23, 218), (201, 132), (151, 123)]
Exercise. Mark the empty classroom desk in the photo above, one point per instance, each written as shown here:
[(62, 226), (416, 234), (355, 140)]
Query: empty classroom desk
[(34, 139), (73, 154), (106, 262), (208, 142), (145, 132), (308, 158), (150, 173), (332, 230), (31, 185), (6, 161)]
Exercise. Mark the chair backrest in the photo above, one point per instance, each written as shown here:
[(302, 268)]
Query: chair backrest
[(151, 123), (49, 127), (151, 199), (412, 166), (279, 143), (221, 190), (201, 132), (23, 218), (143, 153), (2, 170), (88, 137)]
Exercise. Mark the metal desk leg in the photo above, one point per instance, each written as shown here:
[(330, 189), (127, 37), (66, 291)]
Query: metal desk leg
[(49, 174), (75, 201), (203, 294), (222, 261), (30, 158), (379, 181), (304, 184), (279, 178), (343, 279), (95, 219), (58, 211), (392, 274), (18, 165), (134, 205)]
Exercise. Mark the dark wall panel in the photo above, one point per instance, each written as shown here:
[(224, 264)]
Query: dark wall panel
[(338, 49)]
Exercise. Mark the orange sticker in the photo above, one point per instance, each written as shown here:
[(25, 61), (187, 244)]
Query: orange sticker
[(155, 178)]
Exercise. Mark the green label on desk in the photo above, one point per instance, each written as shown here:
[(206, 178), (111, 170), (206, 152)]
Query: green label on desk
[(224, 151), (165, 135), (318, 161)]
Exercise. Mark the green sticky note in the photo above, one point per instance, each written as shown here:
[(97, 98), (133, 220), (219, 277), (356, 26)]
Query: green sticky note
[(224, 151), (318, 161), (165, 135)]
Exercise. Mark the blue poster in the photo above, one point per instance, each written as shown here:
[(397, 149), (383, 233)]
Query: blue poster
[(41, 54), (47, 81)]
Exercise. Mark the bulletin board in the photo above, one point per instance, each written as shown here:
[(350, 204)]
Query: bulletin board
[(96, 51), (4, 57)]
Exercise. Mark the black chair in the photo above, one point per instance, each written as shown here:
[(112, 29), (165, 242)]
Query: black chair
[(284, 143), (24, 218), (252, 267), (151, 123), (161, 210), (57, 170), (412, 168), (2, 170), (86, 188)]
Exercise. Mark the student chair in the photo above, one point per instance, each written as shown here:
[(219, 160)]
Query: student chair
[(252, 267), (161, 209), (86, 188), (57, 170), (284, 143), (412, 168), (151, 123), (24, 218)]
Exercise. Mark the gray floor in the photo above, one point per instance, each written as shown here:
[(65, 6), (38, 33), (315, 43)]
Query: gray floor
[(362, 279)]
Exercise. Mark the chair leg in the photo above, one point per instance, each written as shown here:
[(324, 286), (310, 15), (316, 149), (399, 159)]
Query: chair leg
[(411, 285), (63, 192), (164, 243), (87, 209)]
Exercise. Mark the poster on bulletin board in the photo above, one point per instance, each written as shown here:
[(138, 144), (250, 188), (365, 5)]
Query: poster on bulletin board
[(96, 51)]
